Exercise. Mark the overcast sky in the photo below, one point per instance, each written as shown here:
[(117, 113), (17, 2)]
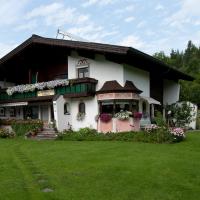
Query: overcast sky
[(148, 25)]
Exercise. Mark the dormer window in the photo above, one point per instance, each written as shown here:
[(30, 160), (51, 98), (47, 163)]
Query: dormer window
[(82, 68)]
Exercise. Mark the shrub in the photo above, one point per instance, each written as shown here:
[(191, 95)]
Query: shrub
[(7, 122), (21, 127), (180, 114), (178, 134), (155, 135), (159, 120), (5, 133), (151, 128), (198, 119)]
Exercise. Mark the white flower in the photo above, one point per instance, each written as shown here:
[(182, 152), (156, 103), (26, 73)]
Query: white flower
[(39, 86)]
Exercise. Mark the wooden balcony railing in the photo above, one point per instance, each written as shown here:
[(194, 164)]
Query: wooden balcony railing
[(77, 88)]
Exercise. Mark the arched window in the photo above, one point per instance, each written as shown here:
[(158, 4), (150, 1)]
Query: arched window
[(81, 108), (66, 109)]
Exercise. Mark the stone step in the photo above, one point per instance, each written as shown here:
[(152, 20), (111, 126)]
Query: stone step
[(40, 138), (46, 135), (47, 132)]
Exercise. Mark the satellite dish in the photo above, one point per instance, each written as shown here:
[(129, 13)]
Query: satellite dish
[(69, 36)]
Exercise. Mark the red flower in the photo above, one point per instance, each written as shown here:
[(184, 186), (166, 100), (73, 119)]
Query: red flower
[(137, 115), (105, 117)]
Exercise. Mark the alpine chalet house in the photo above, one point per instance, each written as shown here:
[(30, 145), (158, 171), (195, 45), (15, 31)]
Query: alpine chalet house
[(84, 84)]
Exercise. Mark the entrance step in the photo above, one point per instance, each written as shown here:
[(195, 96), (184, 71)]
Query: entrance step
[(46, 134)]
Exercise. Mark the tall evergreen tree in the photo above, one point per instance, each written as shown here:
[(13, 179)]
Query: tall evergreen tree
[(187, 61)]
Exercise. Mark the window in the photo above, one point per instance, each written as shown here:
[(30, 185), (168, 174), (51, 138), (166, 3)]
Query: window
[(107, 107), (83, 72), (66, 109), (2, 112), (122, 106), (82, 68), (81, 108), (12, 112)]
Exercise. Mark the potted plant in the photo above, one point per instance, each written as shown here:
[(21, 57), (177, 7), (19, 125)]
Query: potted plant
[(123, 115), (105, 117), (137, 115)]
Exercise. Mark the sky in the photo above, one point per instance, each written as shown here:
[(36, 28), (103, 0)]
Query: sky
[(148, 25)]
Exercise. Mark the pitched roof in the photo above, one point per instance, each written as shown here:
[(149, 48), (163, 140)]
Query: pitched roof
[(114, 86), (121, 54)]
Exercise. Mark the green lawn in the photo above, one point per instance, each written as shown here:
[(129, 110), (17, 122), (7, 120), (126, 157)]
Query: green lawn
[(99, 170)]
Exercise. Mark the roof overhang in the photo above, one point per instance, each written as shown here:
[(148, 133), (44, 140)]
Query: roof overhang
[(150, 100), (14, 104), (120, 54)]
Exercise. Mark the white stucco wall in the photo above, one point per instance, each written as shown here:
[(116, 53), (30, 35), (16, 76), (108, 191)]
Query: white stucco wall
[(139, 77), (62, 120), (171, 91), (100, 69), (91, 109)]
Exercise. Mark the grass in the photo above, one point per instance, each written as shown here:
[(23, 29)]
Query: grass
[(99, 170)]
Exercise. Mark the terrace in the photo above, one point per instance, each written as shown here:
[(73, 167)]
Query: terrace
[(69, 88)]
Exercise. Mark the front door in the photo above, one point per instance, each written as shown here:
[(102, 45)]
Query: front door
[(44, 112)]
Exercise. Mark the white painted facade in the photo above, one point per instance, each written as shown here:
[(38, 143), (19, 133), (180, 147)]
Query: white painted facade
[(100, 69), (66, 121), (140, 78), (104, 70), (63, 121), (91, 110), (171, 91)]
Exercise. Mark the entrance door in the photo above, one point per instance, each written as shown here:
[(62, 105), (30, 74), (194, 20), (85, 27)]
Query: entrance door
[(44, 113)]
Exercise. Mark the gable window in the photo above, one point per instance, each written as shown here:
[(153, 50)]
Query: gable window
[(83, 72), (82, 68), (81, 108)]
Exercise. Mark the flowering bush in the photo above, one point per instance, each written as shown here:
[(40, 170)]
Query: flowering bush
[(5, 133), (151, 128), (178, 133), (123, 115), (39, 86), (137, 115), (21, 127), (164, 134), (105, 117)]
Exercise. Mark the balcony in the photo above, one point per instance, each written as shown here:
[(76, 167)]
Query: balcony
[(82, 87)]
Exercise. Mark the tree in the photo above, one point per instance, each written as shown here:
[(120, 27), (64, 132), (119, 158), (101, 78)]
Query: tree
[(180, 113), (187, 61)]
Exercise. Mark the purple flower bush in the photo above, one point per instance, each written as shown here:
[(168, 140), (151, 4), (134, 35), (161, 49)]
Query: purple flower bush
[(177, 133)]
